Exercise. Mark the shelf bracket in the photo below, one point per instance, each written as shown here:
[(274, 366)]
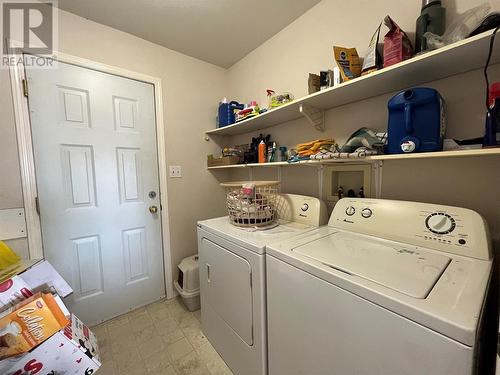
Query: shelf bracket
[(315, 116)]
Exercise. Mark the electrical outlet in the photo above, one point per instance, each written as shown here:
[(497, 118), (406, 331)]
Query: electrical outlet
[(175, 171)]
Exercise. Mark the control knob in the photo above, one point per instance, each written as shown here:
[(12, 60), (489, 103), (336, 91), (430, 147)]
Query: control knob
[(366, 213), (440, 223), (350, 210), (304, 207)]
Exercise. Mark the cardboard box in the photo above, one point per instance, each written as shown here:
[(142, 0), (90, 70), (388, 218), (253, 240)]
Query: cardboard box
[(63, 353), (83, 337), (13, 291), (38, 276), (224, 160), (29, 323), (57, 355), (43, 277)]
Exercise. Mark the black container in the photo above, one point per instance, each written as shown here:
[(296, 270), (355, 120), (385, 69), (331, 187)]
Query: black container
[(432, 19)]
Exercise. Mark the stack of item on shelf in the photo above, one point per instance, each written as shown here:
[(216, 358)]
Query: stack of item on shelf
[(278, 99), (38, 335), (364, 142), (230, 156), (308, 149), (249, 111), (252, 203), (431, 34)]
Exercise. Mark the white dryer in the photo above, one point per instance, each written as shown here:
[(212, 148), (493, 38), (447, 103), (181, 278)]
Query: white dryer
[(232, 280), (387, 288)]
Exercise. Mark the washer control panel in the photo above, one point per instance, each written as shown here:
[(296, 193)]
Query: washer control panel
[(451, 229)]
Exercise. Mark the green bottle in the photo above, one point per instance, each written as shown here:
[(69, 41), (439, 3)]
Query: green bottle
[(432, 19)]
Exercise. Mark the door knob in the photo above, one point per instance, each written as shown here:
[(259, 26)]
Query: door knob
[(153, 209)]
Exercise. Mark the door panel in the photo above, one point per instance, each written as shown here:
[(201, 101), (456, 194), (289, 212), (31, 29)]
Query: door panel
[(94, 141), (229, 290), (88, 275)]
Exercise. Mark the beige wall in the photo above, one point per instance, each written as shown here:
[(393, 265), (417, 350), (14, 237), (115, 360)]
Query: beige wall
[(284, 61), (191, 91)]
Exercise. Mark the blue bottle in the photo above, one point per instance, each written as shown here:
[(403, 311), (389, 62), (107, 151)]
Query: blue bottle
[(226, 112), (416, 121)]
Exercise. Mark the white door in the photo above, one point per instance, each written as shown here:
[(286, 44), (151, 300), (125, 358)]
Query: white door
[(96, 166)]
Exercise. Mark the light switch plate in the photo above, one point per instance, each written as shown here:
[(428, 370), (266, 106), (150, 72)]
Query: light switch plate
[(175, 171)]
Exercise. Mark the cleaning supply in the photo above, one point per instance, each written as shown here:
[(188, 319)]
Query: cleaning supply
[(283, 156), (492, 126), (272, 154), (277, 100), (262, 152), (416, 121), (432, 19), (249, 111), (226, 113)]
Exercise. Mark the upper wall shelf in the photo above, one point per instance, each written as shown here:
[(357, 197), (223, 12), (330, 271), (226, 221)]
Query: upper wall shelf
[(460, 57)]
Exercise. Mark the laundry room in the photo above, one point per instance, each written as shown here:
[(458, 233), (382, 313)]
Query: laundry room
[(284, 187)]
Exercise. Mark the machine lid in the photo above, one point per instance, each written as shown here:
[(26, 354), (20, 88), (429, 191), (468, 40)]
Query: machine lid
[(407, 269), (253, 238)]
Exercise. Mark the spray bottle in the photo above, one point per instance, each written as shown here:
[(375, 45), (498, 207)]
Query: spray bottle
[(262, 152)]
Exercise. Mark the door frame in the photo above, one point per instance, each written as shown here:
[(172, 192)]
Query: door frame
[(27, 162)]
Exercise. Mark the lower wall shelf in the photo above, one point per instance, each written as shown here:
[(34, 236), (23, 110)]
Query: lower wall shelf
[(368, 159)]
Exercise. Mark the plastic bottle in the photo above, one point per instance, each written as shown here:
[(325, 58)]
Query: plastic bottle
[(492, 126), (432, 19), (262, 152)]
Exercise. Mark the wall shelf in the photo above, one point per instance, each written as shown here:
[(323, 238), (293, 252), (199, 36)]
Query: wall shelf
[(369, 159), (460, 57)]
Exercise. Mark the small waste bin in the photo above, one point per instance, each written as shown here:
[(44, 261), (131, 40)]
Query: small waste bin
[(188, 282)]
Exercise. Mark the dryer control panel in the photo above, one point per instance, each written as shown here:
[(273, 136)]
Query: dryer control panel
[(445, 228), (302, 209)]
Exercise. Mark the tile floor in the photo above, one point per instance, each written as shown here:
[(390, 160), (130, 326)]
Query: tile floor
[(163, 338)]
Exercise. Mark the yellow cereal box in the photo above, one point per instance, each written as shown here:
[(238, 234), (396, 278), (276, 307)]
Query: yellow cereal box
[(29, 323)]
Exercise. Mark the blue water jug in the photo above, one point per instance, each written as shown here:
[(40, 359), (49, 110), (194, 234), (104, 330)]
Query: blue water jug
[(416, 121), (226, 113)]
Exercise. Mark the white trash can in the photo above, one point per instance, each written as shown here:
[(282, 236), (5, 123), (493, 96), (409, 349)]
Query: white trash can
[(188, 282)]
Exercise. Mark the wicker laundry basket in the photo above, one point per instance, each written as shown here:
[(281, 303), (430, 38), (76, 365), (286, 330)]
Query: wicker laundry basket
[(252, 203)]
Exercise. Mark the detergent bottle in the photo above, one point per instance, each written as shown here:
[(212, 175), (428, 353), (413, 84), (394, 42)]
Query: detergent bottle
[(262, 152), (226, 113), (492, 126)]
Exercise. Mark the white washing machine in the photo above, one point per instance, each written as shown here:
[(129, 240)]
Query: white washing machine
[(387, 288), (232, 280)]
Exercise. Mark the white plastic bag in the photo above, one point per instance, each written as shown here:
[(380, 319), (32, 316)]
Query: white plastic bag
[(460, 28)]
